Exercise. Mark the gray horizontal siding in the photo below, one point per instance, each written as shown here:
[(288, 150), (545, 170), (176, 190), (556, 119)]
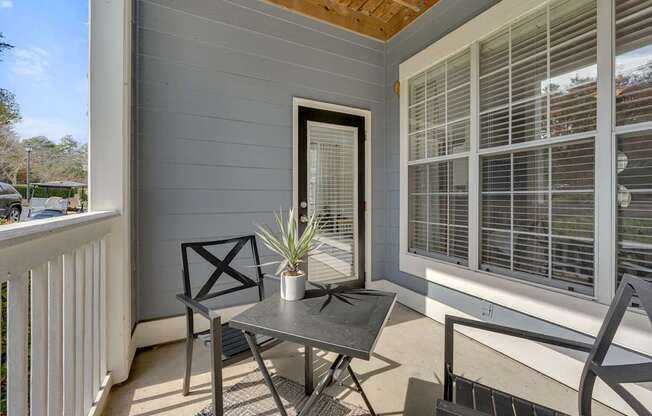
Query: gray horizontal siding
[(214, 125)]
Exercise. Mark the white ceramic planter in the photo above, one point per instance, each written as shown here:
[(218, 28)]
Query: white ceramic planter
[(293, 287)]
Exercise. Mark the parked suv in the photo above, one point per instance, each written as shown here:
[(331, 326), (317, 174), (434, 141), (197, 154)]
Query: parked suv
[(10, 203)]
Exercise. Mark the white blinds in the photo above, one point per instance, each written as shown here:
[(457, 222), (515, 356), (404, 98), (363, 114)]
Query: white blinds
[(438, 210), (633, 61), (331, 196), (439, 109), (537, 214), (538, 76), (635, 205), (633, 66)]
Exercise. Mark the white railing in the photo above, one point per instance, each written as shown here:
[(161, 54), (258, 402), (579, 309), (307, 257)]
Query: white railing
[(54, 273)]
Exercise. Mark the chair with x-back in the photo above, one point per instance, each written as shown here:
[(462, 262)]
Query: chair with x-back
[(466, 397), (222, 341)]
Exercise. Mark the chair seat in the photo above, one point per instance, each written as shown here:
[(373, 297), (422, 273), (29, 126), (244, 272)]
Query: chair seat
[(233, 341), (472, 398)]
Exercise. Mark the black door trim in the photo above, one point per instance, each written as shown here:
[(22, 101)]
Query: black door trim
[(306, 114)]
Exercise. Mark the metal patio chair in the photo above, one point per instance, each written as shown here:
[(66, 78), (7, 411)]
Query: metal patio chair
[(465, 397), (223, 342)]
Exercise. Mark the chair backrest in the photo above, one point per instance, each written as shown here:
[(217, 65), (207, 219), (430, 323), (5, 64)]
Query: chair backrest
[(222, 266), (615, 375)]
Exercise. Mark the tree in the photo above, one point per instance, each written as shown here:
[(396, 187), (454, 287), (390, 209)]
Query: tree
[(12, 155), (66, 160), (9, 110)]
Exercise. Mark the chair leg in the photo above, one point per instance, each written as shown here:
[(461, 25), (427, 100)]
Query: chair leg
[(216, 366), (190, 336)]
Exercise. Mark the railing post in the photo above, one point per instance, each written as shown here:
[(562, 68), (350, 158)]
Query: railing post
[(80, 290), (87, 333), (69, 338), (55, 332), (103, 312), (97, 378), (17, 317), (39, 353)]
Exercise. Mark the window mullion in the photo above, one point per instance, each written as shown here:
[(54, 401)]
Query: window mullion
[(605, 157), (474, 231), (550, 223)]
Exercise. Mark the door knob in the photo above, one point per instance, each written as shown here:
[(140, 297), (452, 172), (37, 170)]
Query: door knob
[(303, 204), (303, 218)]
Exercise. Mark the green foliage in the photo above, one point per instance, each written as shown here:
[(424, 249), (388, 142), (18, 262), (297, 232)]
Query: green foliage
[(9, 109), (48, 192), (288, 244)]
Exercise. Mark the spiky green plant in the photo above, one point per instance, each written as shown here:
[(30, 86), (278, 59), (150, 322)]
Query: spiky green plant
[(287, 242)]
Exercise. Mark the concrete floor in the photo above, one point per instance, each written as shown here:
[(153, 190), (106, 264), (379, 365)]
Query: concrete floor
[(403, 378)]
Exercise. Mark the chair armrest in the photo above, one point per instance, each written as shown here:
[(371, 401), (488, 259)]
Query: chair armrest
[(451, 321), (197, 306)]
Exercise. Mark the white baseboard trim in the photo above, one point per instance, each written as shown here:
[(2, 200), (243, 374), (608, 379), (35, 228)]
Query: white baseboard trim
[(556, 365), (161, 331)]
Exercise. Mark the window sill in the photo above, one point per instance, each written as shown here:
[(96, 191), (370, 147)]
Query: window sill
[(571, 310)]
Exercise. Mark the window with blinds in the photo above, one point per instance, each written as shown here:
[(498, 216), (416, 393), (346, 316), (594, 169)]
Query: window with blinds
[(439, 109), (634, 198), (438, 210), (537, 215), (538, 76), (633, 91), (633, 61), (439, 127)]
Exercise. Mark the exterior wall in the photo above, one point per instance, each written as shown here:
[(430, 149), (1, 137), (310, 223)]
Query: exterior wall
[(435, 300), (215, 81)]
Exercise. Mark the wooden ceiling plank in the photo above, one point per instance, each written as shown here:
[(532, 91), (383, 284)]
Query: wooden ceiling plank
[(370, 6), (415, 8), (391, 11), (331, 12), (381, 11), (405, 17), (357, 4)]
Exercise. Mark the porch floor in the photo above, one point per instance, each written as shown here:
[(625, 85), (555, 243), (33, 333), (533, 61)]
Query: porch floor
[(404, 377)]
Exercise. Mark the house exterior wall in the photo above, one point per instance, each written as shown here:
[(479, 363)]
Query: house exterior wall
[(434, 299), (215, 82)]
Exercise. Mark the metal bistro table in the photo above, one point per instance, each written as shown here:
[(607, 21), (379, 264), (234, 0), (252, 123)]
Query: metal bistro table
[(337, 319)]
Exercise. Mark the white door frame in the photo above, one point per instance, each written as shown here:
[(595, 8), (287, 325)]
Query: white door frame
[(303, 102)]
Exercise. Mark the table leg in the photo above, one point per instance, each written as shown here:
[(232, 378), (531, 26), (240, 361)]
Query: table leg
[(360, 390), (216, 365), (323, 383), (251, 340), (309, 370)]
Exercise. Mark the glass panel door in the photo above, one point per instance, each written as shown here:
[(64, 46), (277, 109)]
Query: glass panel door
[(333, 198)]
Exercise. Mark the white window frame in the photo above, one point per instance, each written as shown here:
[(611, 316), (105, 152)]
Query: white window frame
[(574, 310)]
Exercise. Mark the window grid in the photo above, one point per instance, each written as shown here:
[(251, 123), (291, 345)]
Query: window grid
[(454, 222), (571, 260), (641, 123), (575, 102), (431, 127)]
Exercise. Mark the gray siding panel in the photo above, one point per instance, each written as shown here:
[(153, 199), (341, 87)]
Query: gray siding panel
[(214, 126)]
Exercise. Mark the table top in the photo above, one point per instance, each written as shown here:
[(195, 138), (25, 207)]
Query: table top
[(336, 319)]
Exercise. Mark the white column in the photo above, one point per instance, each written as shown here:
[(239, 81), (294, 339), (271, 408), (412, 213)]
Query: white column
[(110, 163)]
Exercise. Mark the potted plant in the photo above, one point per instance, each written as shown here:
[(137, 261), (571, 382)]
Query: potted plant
[(292, 248)]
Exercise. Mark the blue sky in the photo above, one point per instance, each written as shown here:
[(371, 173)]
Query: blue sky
[(47, 69)]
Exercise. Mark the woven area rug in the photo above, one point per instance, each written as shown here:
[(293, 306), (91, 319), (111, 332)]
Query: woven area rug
[(250, 396)]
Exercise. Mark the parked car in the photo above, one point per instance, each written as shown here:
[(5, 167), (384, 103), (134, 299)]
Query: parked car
[(10, 203)]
